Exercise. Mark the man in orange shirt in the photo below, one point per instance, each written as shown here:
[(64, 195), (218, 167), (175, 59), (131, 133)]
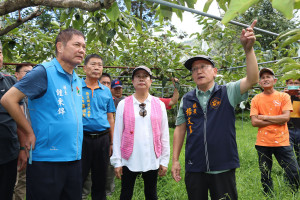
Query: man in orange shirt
[(270, 112)]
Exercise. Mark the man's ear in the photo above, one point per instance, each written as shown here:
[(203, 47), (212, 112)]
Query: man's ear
[(215, 72), (59, 46)]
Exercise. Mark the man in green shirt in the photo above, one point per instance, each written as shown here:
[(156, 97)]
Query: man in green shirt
[(207, 115)]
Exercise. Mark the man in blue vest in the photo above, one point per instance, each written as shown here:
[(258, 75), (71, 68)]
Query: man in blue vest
[(207, 115), (54, 97)]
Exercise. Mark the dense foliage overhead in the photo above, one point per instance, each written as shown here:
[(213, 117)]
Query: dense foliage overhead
[(125, 33)]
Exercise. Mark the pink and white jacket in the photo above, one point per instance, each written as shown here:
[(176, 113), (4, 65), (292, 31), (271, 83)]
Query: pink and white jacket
[(129, 124)]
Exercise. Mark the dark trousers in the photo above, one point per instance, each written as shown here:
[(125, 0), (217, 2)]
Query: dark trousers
[(295, 141), (8, 174), (128, 180), (286, 160), (95, 157), (54, 180), (221, 186)]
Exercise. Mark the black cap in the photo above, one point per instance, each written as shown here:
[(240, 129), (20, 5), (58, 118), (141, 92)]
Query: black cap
[(143, 68), (188, 63)]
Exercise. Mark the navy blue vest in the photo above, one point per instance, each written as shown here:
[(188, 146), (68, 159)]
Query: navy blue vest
[(56, 117), (211, 138)]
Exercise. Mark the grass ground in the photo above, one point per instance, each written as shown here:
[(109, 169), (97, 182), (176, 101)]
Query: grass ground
[(247, 176)]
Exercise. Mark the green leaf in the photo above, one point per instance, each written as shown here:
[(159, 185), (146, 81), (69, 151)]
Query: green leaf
[(190, 3), (76, 24), (285, 60), (138, 24), (63, 16), (223, 4), (292, 32), (290, 67), (111, 33), (128, 4), (164, 81), (120, 43), (116, 51), (166, 11), (178, 13), (113, 12), (55, 23), (207, 5), (237, 7), (291, 40), (297, 4), (124, 38), (91, 36), (295, 74), (108, 41), (102, 38), (286, 7), (122, 23)]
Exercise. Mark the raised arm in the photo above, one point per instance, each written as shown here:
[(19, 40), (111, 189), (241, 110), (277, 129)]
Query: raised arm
[(247, 39), (175, 96), (10, 101)]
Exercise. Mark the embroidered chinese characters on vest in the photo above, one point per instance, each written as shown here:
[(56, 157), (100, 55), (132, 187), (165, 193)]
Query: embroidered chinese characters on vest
[(129, 124)]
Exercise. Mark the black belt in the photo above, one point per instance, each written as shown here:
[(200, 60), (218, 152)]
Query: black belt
[(95, 134)]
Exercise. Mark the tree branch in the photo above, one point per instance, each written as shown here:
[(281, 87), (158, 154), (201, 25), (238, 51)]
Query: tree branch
[(9, 6), (19, 22)]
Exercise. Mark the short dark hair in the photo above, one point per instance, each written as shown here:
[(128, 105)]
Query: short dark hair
[(291, 79), (88, 57), (105, 75), (19, 67), (66, 35)]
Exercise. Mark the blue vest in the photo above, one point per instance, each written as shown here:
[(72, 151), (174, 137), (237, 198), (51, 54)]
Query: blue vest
[(56, 117), (211, 138)]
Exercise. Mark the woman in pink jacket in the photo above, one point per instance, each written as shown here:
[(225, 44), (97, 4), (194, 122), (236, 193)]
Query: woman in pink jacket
[(141, 138)]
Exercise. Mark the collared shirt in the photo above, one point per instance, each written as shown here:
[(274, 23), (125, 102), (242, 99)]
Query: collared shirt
[(143, 156), (234, 96), (96, 103), (233, 92)]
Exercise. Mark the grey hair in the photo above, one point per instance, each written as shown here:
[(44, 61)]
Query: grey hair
[(0, 45)]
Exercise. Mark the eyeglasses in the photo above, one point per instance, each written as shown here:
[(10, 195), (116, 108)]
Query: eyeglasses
[(143, 112), (202, 67)]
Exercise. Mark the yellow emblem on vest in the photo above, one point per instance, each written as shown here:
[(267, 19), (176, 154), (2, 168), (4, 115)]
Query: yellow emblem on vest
[(215, 102)]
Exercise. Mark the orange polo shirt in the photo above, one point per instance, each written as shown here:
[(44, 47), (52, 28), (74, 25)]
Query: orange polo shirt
[(271, 105)]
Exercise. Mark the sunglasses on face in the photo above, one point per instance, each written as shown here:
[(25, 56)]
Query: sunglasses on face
[(143, 112)]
